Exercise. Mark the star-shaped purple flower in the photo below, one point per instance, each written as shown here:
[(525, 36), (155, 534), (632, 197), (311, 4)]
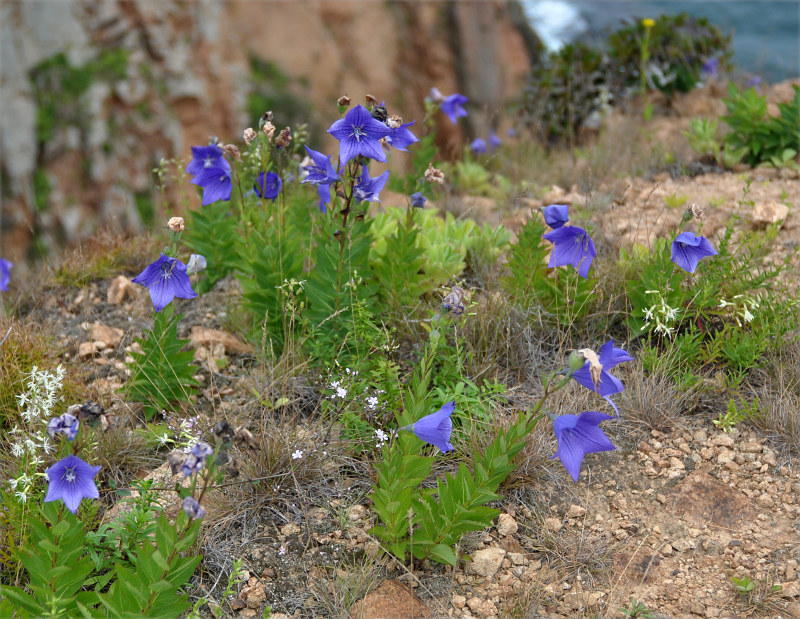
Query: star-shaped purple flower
[(71, 480), (359, 134), (608, 385), (688, 249), (216, 183), (401, 137), (66, 423), (321, 172), (166, 279), (556, 215), (204, 157), (5, 274), (435, 428), (478, 146), (451, 106), (268, 186), (368, 188), (572, 245), (578, 435)]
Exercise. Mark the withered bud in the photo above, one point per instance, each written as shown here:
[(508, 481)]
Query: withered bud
[(379, 113), (223, 431), (89, 412), (266, 117), (371, 100), (454, 301), (176, 460), (434, 175), (595, 367), (249, 135), (343, 101), (243, 435), (393, 122), (176, 224), (284, 137), (268, 129), (697, 212), (233, 151), (213, 139)]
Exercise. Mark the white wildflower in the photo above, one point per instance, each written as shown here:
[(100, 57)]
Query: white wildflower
[(372, 402), (298, 453)]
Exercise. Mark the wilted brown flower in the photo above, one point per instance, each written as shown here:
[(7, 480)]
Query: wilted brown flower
[(595, 367), (268, 129), (697, 212), (176, 224), (371, 100), (393, 122), (284, 137), (455, 300), (344, 101), (233, 151), (249, 135), (433, 175)]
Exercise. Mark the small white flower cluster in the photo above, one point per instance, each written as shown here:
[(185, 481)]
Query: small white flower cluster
[(340, 392), (36, 407), (381, 437), (297, 455), (741, 307), (661, 314), (372, 403), (185, 433), (42, 393)]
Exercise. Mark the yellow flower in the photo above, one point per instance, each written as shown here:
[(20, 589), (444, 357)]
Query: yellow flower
[(648, 23)]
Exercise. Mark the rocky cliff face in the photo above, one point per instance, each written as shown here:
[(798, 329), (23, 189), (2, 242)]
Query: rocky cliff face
[(95, 94)]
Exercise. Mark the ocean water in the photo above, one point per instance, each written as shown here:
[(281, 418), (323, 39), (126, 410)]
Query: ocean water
[(766, 33)]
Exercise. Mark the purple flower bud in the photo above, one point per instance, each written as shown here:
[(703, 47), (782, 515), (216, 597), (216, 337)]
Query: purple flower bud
[(435, 428), (418, 200), (192, 508), (556, 215)]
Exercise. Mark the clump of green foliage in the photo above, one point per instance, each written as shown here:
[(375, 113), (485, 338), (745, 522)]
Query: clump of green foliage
[(729, 312), (571, 86), (753, 136), (162, 374), (678, 47), (564, 295)]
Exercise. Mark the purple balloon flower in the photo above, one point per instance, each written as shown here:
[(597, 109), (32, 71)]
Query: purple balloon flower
[(71, 480), (451, 106), (401, 137), (688, 249), (494, 141), (368, 188), (321, 172), (216, 183), (359, 134), (435, 428), (608, 385), (166, 279), (66, 423), (324, 193), (578, 435), (268, 186), (5, 274), (204, 157), (418, 200), (572, 245), (711, 67), (556, 215), (192, 508), (196, 459), (478, 146)]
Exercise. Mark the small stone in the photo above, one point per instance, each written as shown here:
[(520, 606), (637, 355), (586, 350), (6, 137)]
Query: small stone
[(459, 601), (506, 525), (119, 289), (392, 600), (486, 562), (516, 558), (357, 512), (291, 528), (554, 524), (723, 440), (766, 213), (204, 337), (765, 501), (110, 335), (575, 511), (661, 498)]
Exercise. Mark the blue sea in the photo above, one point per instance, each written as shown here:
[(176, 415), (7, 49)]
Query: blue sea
[(766, 33)]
